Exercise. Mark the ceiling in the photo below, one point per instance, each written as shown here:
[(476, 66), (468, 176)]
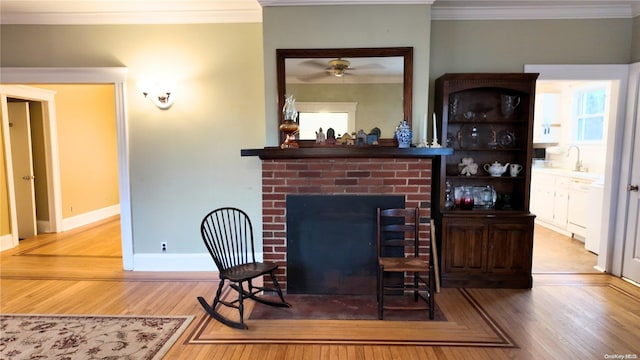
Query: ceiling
[(229, 11)]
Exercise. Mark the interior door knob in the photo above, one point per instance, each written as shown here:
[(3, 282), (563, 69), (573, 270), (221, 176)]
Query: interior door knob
[(28, 177), (632, 187)]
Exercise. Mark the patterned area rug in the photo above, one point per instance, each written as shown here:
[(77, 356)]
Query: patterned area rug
[(88, 337)]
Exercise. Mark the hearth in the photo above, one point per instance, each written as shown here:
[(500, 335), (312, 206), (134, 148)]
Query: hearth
[(331, 242)]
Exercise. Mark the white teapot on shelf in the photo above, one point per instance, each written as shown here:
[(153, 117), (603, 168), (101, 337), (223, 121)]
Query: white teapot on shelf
[(496, 169)]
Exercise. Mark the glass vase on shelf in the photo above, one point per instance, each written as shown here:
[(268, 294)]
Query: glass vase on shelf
[(466, 203), (487, 197), (449, 203), (290, 124)]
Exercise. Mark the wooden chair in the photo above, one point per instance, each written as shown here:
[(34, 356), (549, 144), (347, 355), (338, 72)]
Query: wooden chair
[(399, 245), (228, 234)]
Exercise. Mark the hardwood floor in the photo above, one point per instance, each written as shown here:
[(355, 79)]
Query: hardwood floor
[(556, 253), (571, 312)]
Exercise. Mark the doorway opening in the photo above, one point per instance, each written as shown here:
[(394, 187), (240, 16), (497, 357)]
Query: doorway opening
[(117, 78), (616, 78)]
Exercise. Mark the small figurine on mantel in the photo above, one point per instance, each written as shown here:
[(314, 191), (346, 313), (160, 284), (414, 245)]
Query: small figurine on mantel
[(320, 137), (373, 136), (331, 137), (346, 139), (361, 137)]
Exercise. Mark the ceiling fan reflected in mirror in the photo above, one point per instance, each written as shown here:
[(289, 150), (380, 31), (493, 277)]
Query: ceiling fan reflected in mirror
[(337, 67)]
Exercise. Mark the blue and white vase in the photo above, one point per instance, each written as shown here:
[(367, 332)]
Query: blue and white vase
[(403, 135)]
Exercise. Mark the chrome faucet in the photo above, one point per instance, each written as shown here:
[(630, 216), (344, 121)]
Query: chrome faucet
[(578, 162)]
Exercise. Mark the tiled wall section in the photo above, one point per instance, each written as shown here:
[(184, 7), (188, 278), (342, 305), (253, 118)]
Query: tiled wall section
[(388, 176)]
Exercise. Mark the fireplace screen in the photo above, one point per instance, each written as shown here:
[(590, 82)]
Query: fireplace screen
[(331, 242)]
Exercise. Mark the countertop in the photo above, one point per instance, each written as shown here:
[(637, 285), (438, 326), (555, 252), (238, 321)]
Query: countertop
[(570, 173)]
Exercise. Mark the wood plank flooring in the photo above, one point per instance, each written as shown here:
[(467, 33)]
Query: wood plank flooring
[(571, 312)]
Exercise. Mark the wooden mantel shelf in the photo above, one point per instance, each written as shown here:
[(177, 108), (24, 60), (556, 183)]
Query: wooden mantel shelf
[(269, 153)]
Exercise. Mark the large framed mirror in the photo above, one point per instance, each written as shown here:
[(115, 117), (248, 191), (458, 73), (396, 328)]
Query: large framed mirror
[(362, 88)]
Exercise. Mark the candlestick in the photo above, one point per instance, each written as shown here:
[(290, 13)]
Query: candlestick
[(435, 142), (435, 129)]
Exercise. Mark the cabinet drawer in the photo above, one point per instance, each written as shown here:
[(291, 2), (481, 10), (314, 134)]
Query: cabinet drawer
[(562, 182)]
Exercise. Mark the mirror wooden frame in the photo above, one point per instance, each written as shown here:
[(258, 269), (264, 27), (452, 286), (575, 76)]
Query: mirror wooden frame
[(405, 52)]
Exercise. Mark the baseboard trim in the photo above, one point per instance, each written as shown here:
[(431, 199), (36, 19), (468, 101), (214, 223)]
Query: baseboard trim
[(90, 217), (43, 226), (173, 262), (6, 242), (176, 262)]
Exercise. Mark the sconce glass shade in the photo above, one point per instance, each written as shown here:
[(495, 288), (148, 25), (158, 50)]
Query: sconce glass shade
[(162, 94)]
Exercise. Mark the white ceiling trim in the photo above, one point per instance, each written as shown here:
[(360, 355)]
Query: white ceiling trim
[(133, 17), (340, 2), (60, 12), (530, 12)]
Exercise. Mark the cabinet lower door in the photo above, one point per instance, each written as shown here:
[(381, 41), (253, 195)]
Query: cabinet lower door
[(510, 247), (487, 251), (466, 247)]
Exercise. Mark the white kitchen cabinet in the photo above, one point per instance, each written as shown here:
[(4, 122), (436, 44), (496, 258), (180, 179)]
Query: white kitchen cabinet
[(578, 207), (542, 187), (560, 201), (594, 217), (546, 128)]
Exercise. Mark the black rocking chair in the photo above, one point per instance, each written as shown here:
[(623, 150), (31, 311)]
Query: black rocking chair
[(228, 234)]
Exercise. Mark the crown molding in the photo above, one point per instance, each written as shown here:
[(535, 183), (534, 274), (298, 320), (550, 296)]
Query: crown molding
[(128, 12), (531, 12), (264, 3), (102, 18), (63, 12)]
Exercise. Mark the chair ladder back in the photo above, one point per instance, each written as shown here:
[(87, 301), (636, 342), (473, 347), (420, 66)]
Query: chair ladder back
[(228, 235), (398, 222)]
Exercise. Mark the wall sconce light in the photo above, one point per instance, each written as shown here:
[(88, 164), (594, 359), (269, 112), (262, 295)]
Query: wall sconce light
[(162, 94)]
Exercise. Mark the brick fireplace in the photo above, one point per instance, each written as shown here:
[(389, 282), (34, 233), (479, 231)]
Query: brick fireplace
[(335, 171)]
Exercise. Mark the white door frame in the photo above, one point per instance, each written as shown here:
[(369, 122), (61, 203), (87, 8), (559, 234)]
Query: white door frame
[(51, 157), (626, 205), (609, 257), (19, 120), (112, 75)]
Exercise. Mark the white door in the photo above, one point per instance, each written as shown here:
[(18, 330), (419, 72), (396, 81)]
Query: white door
[(631, 256), (23, 178)]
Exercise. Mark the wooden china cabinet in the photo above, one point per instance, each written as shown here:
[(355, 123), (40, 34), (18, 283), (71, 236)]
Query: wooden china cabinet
[(482, 210)]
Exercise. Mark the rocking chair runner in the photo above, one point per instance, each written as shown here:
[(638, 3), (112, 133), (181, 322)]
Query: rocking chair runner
[(228, 234)]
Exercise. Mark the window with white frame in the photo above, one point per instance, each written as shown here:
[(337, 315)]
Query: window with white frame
[(339, 116), (589, 114)]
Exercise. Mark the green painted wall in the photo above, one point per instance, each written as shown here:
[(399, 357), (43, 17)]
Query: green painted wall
[(503, 46), (186, 160), (506, 46)]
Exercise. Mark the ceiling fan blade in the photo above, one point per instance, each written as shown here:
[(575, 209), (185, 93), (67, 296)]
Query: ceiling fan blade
[(315, 76), (372, 66), (315, 64)]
